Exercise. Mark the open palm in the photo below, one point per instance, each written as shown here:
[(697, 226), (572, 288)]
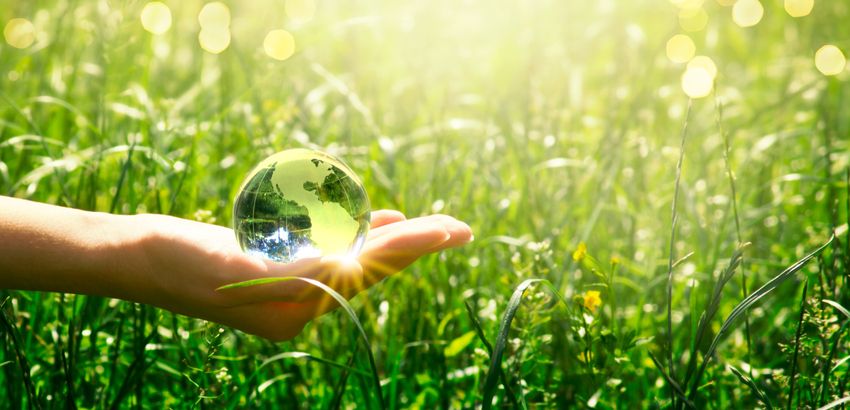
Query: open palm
[(185, 263)]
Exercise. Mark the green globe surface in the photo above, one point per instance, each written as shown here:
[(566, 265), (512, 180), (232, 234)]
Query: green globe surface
[(301, 203)]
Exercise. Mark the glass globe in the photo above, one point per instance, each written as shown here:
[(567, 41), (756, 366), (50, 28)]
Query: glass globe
[(301, 203)]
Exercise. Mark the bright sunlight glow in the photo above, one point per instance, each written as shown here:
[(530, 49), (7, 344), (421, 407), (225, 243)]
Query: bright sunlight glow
[(279, 44), (799, 8), (156, 17), (680, 48), (747, 13), (301, 10), (829, 60), (697, 82), (19, 33)]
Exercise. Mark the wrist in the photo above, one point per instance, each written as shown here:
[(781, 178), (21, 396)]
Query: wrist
[(117, 264)]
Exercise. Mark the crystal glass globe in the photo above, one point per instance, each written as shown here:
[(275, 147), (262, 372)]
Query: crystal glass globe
[(301, 203)]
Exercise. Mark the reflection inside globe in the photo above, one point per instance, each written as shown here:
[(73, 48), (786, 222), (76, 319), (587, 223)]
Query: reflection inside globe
[(301, 203)]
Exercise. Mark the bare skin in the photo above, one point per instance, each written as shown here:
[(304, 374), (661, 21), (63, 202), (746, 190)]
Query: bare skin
[(179, 264)]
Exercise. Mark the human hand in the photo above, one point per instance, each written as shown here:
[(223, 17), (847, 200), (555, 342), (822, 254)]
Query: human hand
[(182, 263)]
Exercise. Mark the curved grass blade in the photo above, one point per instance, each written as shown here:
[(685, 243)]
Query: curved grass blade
[(837, 307), (308, 356), (9, 326), (480, 332), (746, 304), (797, 333), (835, 403), (677, 390), (753, 386), (824, 386), (491, 382), (345, 306)]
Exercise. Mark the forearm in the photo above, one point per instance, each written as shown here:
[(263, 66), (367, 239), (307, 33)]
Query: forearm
[(51, 248)]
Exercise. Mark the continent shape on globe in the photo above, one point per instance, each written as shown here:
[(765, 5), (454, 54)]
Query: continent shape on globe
[(301, 203)]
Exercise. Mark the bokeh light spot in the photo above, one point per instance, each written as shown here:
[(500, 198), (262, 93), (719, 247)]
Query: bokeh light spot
[(688, 4), (693, 19), (214, 40), (301, 10), (747, 13), (830, 60), (680, 48), (19, 33), (279, 44), (697, 82), (706, 63), (726, 3), (156, 17), (799, 8), (215, 16)]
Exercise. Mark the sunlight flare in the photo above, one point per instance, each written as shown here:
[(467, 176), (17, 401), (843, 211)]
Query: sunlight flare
[(693, 19), (279, 44), (747, 13), (156, 17), (799, 8), (214, 40), (19, 33), (697, 82), (706, 63), (829, 60), (680, 48), (214, 15), (301, 10)]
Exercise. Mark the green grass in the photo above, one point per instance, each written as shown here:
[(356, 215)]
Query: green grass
[(544, 124)]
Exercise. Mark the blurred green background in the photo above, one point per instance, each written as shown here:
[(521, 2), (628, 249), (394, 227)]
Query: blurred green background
[(553, 127)]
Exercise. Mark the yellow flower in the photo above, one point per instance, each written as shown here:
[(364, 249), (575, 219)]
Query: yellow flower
[(592, 300), (580, 252)]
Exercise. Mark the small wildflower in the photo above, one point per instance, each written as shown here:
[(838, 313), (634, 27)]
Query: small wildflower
[(615, 261), (592, 300), (580, 252)]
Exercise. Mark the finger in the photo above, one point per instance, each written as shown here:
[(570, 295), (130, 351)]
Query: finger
[(397, 248), (383, 217), (459, 232)]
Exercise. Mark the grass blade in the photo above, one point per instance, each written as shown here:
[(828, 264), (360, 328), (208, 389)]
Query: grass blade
[(677, 390), (23, 364), (345, 306), (753, 386), (480, 332), (746, 304), (491, 381), (837, 307), (798, 333), (835, 403), (674, 219)]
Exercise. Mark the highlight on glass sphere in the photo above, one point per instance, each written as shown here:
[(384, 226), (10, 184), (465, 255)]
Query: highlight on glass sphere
[(301, 203)]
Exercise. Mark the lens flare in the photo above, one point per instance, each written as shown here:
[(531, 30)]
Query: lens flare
[(829, 60), (697, 82), (799, 8), (706, 63), (214, 40), (214, 15), (747, 13), (680, 48), (279, 44), (301, 10), (19, 33), (156, 17)]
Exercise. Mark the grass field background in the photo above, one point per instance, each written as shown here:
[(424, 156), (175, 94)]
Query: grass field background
[(554, 128)]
